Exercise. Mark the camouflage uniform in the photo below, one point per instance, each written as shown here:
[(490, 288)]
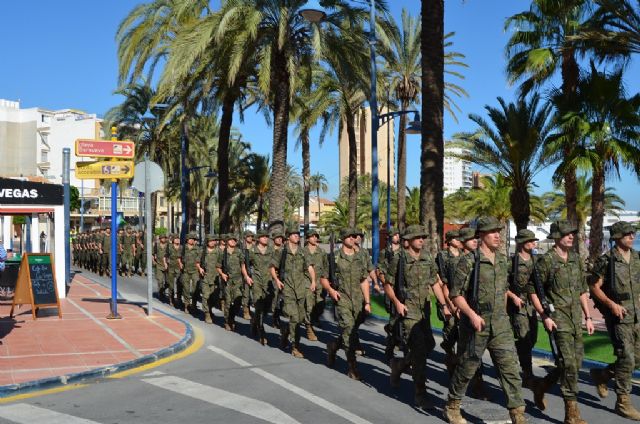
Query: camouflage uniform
[(128, 249), (209, 261), (159, 253), (105, 256), (625, 332), (314, 304), (232, 266), (387, 256), (296, 286), (496, 335), (246, 290), (450, 326), (141, 256), (260, 264), (190, 275), (173, 258), (420, 275)]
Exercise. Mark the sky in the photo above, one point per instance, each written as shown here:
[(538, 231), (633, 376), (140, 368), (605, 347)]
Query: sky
[(62, 54)]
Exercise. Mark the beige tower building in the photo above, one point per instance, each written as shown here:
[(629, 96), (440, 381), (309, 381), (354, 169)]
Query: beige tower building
[(386, 140)]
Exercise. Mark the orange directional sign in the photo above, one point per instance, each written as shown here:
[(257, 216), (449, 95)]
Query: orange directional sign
[(105, 149), (104, 170)]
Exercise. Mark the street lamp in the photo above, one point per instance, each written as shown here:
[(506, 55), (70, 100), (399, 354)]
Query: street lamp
[(313, 10)]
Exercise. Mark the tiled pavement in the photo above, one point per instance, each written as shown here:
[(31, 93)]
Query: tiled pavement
[(83, 339)]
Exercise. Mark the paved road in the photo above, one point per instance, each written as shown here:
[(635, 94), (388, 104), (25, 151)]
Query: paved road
[(232, 379)]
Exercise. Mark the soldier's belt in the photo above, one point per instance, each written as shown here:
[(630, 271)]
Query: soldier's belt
[(484, 308), (623, 296)]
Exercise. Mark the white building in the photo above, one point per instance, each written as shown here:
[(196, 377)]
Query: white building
[(31, 141), (457, 172)]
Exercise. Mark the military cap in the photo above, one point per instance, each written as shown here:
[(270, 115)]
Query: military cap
[(276, 234), (173, 236), (346, 232), (451, 234), (293, 230), (465, 234), (262, 233), (248, 233), (561, 228), (231, 236), (210, 237), (414, 231), (161, 235), (488, 223), (525, 235), (621, 229), (393, 231), (313, 233), (359, 233), (191, 236)]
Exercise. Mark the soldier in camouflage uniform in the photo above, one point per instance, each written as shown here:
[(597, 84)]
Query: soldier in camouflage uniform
[(173, 264), (620, 306), (446, 262), (105, 252), (524, 319), (191, 272), (128, 249), (276, 308), (562, 276), (119, 251), (315, 300), (351, 298), (386, 257), (218, 291), (372, 278), (485, 327), (411, 298), (247, 245), (208, 266), (294, 286), (141, 256), (229, 267), (260, 258), (160, 248)]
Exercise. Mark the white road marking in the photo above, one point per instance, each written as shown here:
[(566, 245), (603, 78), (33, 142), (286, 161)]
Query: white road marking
[(28, 414), (246, 405), (154, 374), (343, 413)]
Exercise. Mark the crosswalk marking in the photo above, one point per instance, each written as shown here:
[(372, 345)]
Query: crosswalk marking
[(292, 388), (28, 414), (243, 404)]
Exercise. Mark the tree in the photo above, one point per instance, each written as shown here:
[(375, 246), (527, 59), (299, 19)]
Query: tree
[(511, 144), (608, 124), (318, 183), (539, 46), (258, 184), (432, 145)]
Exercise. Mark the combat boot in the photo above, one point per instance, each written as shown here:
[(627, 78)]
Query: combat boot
[(452, 413), (332, 349), (207, 318), (352, 369), (517, 415), (421, 399), (311, 335), (540, 387), (295, 351), (222, 306), (571, 413), (478, 390), (601, 377), (246, 313), (625, 408), (397, 366), (284, 338)]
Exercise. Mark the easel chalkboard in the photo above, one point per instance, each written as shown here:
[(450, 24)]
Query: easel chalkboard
[(36, 283)]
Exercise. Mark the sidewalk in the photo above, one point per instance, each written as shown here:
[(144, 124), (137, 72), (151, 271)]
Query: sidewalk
[(83, 344)]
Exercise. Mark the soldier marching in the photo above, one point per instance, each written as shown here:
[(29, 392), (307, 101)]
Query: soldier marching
[(485, 300)]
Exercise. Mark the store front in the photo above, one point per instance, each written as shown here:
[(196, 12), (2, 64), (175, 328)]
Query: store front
[(32, 221)]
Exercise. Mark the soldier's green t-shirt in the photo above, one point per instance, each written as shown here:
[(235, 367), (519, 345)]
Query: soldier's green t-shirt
[(420, 274), (190, 257), (317, 259), (173, 255), (627, 282), (261, 263), (234, 263), (296, 265), (351, 271)]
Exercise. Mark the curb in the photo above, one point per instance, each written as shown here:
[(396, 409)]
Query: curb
[(67, 379), (538, 353)]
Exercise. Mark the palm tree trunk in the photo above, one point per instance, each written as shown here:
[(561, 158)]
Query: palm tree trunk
[(402, 169), (520, 207), (224, 196), (432, 145), (597, 214), (260, 212), (353, 170), (306, 177), (281, 87), (570, 76)]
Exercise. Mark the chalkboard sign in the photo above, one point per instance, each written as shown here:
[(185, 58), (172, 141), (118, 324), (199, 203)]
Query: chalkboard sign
[(42, 284), (36, 283)]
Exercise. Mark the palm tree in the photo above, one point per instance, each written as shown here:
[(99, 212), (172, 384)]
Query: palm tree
[(432, 145), (258, 184), (318, 183), (609, 128), (511, 144), (539, 46), (613, 31)]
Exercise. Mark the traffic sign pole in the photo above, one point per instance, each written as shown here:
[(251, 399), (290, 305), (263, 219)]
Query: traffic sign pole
[(114, 244)]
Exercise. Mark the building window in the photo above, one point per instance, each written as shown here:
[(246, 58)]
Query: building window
[(44, 156)]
